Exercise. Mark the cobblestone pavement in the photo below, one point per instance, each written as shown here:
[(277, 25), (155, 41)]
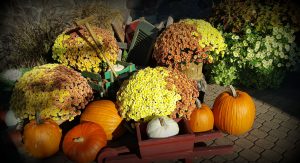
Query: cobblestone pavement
[(275, 136)]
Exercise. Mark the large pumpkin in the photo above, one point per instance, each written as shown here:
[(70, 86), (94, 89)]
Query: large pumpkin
[(202, 118), (83, 142), (41, 138), (104, 113), (234, 112)]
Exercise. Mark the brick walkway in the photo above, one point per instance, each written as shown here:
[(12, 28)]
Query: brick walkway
[(275, 136)]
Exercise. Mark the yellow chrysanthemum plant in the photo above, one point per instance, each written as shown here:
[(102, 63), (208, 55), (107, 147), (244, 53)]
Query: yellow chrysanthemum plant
[(188, 41), (53, 90), (211, 38), (76, 48), (154, 92)]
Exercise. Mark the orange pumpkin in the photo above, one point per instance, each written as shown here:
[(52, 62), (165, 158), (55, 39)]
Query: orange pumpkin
[(104, 113), (41, 138), (83, 142), (202, 118), (234, 112)]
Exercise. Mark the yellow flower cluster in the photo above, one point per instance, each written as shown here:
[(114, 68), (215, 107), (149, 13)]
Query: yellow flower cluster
[(146, 95), (210, 36), (54, 90), (76, 48)]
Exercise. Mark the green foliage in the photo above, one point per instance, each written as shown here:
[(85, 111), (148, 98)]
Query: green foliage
[(259, 52)]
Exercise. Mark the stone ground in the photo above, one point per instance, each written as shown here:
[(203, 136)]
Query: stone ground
[(275, 136)]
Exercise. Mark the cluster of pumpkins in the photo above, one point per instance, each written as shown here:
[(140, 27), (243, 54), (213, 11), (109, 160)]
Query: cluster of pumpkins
[(233, 112), (99, 123)]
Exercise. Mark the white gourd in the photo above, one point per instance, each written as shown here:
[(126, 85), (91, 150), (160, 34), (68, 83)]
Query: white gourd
[(10, 118), (162, 127)]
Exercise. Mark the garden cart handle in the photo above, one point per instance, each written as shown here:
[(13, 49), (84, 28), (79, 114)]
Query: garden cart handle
[(98, 45)]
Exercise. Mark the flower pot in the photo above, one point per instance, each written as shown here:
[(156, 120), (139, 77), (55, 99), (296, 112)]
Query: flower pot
[(194, 71)]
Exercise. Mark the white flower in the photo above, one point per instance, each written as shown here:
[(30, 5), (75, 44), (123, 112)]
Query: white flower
[(275, 44), (249, 50), (233, 37), (258, 55), (235, 53), (278, 36), (265, 64), (248, 31), (257, 46), (275, 30), (270, 61), (291, 39), (237, 37), (257, 64), (287, 47), (286, 57), (279, 65), (245, 43)]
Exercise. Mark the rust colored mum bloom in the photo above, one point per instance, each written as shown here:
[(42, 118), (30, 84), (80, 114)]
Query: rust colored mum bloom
[(54, 90)]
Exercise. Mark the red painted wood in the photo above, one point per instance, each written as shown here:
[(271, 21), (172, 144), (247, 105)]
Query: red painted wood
[(110, 152), (183, 142), (198, 151), (206, 136), (181, 146)]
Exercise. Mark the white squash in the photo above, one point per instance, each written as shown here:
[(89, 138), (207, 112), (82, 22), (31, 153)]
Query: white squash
[(10, 118), (162, 127)]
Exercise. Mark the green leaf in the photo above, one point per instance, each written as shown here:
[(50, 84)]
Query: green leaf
[(91, 75)]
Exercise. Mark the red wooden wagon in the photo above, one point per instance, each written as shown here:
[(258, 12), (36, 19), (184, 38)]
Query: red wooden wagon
[(186, 145)]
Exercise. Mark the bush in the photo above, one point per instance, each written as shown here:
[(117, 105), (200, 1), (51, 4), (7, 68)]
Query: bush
[(260, 42)]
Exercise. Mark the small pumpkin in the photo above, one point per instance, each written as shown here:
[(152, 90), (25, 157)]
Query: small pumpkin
[(234, 112), (162, 127), (202, 118), (104, 113), (83, 142), (41, 137)]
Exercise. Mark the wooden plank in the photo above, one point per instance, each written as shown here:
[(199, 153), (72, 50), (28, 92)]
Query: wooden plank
[(117, 26), (206, 136), (197, 152)]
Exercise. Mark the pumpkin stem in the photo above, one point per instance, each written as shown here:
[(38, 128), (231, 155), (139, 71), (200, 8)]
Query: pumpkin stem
[(233, 91), (38, 118), (78, 140), (161, 120), (198, 103)]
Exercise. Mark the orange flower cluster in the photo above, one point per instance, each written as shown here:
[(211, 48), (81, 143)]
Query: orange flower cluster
[(177, 47), (188, 91)]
